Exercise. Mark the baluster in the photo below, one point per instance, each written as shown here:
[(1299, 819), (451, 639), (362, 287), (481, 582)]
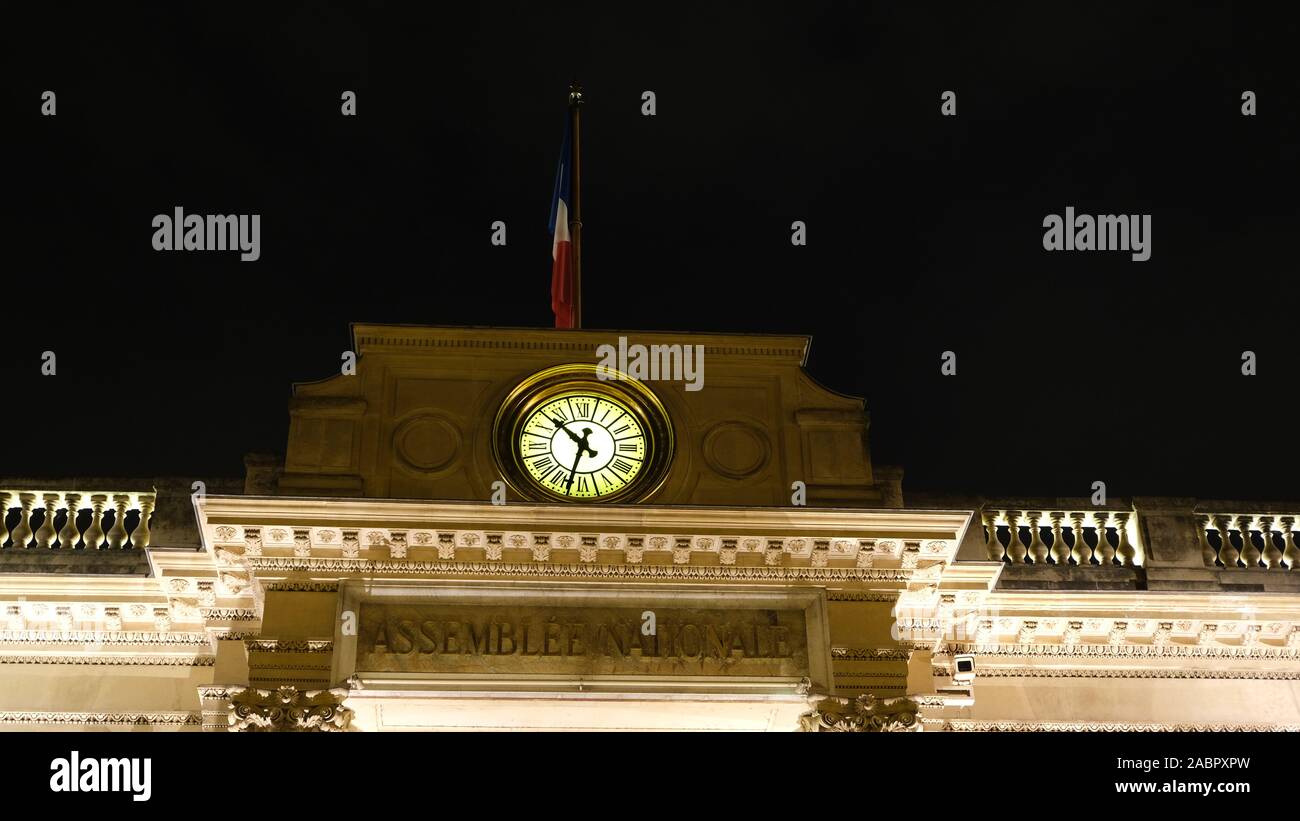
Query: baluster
[(993, 545), (23, 532), (46, 533), (1124, 551), (5, 498), (1249, 553), (140, 537), (1037, 547), (1290, 554), (1208, 556), (117, 534), (94, 535), (1272, 556), (1082, 554), (1060, 550), (1228, 553), (1105, 551), (1015, 548), (69, 535)]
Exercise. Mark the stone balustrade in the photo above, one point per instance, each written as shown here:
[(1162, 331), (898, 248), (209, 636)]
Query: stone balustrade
[(1242, 541), (1077, 537), (68, 519)]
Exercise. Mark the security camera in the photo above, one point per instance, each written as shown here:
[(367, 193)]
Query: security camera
[(963, 667)]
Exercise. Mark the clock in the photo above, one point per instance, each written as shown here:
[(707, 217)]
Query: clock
[(564, 434)]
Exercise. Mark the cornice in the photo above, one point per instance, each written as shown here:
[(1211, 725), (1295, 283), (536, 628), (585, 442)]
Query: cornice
[(414, 514), (498, 342), (49, 587), (369, 567)]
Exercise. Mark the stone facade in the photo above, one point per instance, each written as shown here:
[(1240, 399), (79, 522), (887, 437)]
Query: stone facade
[(369, 583)]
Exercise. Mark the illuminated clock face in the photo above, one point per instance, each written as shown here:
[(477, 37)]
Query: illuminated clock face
[(581, 445), (573, 433)]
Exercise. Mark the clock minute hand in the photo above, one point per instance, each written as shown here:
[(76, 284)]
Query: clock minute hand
[(573, 471)]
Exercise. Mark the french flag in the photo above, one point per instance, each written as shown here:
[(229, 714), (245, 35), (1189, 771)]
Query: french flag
[(561, 245)]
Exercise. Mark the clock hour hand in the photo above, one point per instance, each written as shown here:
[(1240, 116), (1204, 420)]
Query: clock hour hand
[(562, 427)]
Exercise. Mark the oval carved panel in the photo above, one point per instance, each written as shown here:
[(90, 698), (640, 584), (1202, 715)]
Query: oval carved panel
[(736, 449), (426, 444)]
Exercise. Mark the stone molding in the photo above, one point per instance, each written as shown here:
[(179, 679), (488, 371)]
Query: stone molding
[(986, 671), (973, 726), (289, 646), (1106, 650), (162, 719), (189, 638), (115, 661), (540, 569), (870, 654)]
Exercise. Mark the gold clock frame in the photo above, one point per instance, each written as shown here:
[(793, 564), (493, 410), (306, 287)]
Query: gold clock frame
[(539, 388)]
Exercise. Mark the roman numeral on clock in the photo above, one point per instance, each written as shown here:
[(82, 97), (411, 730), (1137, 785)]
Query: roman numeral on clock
[(622, 465), (543, 464)]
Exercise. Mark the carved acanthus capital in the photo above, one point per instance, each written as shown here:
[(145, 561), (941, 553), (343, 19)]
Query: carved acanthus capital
[(863, 714), (288, 709)]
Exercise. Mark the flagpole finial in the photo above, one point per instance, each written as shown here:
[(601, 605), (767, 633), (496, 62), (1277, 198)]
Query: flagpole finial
[(575, 93)]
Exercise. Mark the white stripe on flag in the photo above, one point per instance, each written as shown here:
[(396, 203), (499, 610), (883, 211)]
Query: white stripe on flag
[(561, 226)]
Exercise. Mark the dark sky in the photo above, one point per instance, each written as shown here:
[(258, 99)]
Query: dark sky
[(925, 232)]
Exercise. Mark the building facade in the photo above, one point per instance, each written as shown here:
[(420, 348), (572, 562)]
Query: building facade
[(482, 529)]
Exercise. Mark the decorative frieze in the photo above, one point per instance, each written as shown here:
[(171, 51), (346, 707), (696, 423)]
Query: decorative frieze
[(679, 548), (290, 645), (1129, 650), (991, 671), (161, 719), (869, 654), (132, 660), (972, 726)]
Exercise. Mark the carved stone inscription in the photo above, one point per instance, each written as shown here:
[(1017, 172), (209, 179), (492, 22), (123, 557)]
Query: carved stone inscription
[(517, 639)]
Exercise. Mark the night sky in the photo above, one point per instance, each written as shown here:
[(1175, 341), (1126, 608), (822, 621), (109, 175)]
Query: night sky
[(924, 232)]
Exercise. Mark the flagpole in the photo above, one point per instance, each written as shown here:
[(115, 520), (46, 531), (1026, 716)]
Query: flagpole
[(575, 222)]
